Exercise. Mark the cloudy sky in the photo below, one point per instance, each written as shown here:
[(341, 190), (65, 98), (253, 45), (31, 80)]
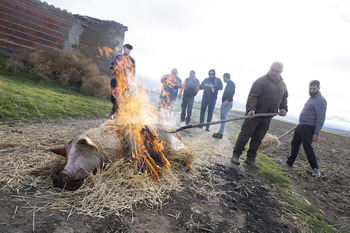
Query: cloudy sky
[(242, 38)]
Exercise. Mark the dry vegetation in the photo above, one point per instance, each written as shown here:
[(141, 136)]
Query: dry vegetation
[(116, 188), (68, 67)]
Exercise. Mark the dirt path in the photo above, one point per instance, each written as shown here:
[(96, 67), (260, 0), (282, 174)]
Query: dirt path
[(216, 197)]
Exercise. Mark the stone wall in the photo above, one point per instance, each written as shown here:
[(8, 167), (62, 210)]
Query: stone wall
[(32, 24)]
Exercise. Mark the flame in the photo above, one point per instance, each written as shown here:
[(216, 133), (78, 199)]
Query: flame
[(105, 51), (138, 119), (169, 82)]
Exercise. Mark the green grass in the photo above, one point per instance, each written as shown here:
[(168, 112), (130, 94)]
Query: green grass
[(25, 97)]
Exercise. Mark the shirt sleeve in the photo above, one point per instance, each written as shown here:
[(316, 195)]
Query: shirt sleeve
[(182, 88), (320, 116)]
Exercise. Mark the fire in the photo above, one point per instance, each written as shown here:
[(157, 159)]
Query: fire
[(139, 119), (105, 51), (168, 82)]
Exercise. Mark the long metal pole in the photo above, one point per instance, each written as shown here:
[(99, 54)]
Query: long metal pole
[(222, 121)]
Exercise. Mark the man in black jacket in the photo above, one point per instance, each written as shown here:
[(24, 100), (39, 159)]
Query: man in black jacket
[(211, 86), (226, 105), (191, 86)]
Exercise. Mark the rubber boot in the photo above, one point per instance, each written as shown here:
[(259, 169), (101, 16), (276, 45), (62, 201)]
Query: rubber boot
[(235, 159), (251, 162)]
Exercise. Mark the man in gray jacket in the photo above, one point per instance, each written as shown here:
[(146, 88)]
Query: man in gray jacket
[(268, 94), (311, 121)]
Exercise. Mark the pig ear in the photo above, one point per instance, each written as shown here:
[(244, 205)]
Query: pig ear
[(62, 150), (87, 141)]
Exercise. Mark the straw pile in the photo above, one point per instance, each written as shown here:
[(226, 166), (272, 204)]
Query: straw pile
[(27, 165), (67, 67), (269, 141)]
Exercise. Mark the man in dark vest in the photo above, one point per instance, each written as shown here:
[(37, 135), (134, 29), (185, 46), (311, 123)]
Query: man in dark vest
[(190, 89)]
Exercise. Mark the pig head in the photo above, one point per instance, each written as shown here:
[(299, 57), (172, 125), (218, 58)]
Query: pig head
[(85, 153)]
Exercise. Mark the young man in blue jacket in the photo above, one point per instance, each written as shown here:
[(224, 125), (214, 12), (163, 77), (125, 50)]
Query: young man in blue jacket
[(123, 66), (211, 87)]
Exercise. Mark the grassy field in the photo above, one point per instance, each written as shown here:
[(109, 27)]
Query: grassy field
[(24, 97)]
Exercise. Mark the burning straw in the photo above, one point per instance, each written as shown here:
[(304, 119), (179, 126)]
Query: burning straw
[(115, 189)]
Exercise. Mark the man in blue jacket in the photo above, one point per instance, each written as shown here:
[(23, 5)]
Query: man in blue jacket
[(311, 121), (226, 105), (211, 86), (123, 66)]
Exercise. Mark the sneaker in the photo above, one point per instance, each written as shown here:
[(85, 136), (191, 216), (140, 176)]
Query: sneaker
[(285, 164), (217, 135), (182, 123), (317, 173), (207, 130)]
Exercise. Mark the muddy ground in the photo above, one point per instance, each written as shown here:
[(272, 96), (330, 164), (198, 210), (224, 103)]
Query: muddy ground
[(218, 197)]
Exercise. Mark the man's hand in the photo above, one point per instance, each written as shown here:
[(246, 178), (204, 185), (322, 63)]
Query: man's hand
[(315, 138), (225, 102), (283, 112), (251, 112)]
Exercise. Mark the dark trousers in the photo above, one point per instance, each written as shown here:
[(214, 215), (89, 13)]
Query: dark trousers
[(210, 104), (254, 129), (303, 135), (187, 103)]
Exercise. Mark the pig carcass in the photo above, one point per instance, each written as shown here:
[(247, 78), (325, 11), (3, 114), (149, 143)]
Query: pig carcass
[(95, 147)]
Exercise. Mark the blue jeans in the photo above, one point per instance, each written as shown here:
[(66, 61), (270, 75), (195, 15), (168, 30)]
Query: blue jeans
[(224, 110)]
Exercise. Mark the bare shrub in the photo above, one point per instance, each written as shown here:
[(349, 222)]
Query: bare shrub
[(70, 67), (97, 86), (14, 65)]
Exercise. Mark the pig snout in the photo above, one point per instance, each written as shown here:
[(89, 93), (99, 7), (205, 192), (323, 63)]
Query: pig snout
[(65, 177)]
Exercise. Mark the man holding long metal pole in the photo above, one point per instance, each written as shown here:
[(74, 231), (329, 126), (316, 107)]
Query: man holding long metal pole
[(311, 121), (268, 94)]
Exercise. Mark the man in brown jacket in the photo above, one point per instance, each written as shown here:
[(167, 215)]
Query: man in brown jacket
[(268, 94)]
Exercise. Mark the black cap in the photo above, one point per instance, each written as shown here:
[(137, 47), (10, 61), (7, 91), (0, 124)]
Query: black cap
[(128, 46)]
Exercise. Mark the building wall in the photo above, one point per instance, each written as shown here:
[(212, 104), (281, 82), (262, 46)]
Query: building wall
[(32, 24)]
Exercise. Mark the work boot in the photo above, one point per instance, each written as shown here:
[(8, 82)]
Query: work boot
[(217, 135), (251, 162), (235, 159)]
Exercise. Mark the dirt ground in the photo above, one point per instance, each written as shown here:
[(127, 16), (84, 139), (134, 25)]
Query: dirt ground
[(216, 197)]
